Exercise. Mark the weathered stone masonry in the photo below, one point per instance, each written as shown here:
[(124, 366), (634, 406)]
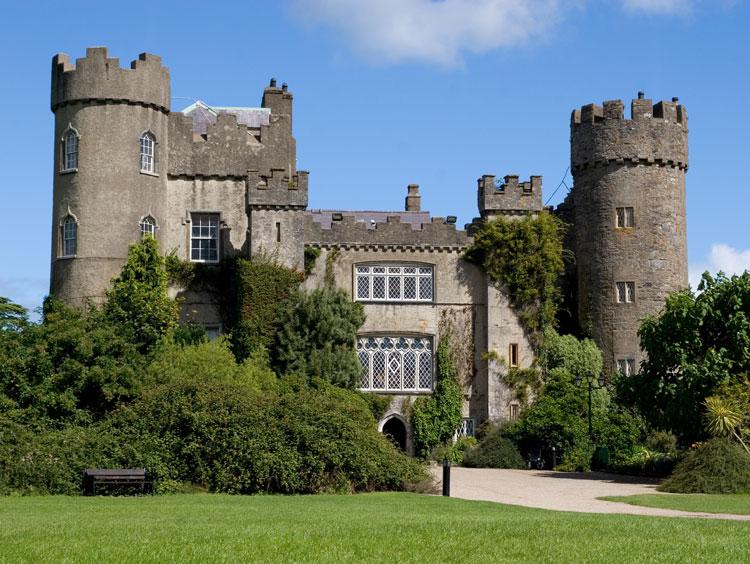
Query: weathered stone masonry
[(223, 182)]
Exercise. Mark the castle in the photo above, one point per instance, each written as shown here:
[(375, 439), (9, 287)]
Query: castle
[(212, 183)]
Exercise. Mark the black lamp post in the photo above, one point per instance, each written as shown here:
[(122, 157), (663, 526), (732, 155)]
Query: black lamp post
[(591, 379)]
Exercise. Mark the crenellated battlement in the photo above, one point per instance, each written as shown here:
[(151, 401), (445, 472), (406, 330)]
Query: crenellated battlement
[(655, 134), (277, 189), (510, 197), (349, 232), (641, 108), (97, 77)]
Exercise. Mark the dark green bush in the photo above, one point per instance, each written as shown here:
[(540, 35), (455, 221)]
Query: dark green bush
[(494, 450), (455, 452), (716, 466), (645, 462)]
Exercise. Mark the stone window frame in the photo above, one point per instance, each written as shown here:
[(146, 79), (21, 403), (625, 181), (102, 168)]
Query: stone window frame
[(514, 411), (626, 365), (394, 264), (513, 355), (68, 219), (69, 134), (146, 220), (219, 226), (362, 350), (153, 170), (625, 221), (625, 292)]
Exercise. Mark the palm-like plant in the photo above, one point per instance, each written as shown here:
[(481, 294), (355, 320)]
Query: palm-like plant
[(722, 420)]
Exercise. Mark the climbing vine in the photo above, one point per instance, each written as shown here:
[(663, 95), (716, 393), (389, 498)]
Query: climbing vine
[(311, 257), (435, 419), (526, 257)]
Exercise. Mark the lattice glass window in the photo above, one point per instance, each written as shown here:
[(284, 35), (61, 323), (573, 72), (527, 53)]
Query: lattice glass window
[(464, 429), (70, 151), (626, 366), (69, 236), (395, 363), (394, 283), (204, 237), (625, 218), (148, 227), (625, 292), (148, 146)]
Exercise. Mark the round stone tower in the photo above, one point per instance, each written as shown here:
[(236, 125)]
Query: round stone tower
[(110, 147), (629, 219)]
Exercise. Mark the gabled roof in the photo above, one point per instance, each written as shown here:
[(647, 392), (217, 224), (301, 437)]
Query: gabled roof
[(203, 115)]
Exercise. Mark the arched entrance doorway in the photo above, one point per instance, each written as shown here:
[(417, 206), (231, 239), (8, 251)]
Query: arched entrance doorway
[(395, 430)]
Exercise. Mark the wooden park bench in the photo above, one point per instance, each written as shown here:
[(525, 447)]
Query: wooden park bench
[(120, 477)]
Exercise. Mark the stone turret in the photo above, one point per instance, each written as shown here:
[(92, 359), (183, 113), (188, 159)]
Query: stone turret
[(510, 197), (628, 209), (104, 189)]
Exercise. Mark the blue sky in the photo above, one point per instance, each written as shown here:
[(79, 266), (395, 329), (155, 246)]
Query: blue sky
[(390, 92)]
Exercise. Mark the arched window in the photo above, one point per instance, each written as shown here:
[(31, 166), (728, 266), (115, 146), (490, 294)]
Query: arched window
[(69, 236), (148, 226), (148, 152), (69, 154)]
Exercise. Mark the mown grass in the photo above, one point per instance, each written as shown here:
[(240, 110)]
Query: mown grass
[(372, 527), (736, 504)]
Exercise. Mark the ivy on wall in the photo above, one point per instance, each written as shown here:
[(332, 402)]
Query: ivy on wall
[(434, 419), (525, 256)]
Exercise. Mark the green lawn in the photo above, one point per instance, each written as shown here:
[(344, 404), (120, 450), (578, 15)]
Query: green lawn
[(738, 504), (373, 527)]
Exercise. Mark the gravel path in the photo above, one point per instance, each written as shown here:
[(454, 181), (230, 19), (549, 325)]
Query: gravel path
[(561, 491)]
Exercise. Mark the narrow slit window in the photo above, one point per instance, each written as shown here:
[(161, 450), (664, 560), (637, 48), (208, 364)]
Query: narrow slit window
[(278, 232), (70, 151), (513, 411), (513, 355)]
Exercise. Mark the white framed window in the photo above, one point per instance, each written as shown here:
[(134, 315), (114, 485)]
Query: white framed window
[(395, 364), (204, 237), (625, 218), (148, 152), (69, 232), (393, 283), (148, 227), (213, 331), (464, 429), (626, 366), (625, 292), (69, 153)]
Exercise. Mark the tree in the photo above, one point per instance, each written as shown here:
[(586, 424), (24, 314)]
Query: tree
[(138, 301), (698, 344), (12, 316), (316, 337)]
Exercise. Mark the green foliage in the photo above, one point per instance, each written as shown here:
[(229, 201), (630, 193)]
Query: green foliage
[(180, 272), (316, 336), (435, 419), (12, 316), (558, 416), (646, 462), (716, 466), (311, 256), (661, 442), (71, 368), (494, 450), (138, 302), (189, 334), (698, 344), (378, 404), (525, 256), (262, 287), (454, 452)]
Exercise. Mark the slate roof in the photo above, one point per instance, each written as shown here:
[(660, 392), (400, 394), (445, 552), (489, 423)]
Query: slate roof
[(203, 115)]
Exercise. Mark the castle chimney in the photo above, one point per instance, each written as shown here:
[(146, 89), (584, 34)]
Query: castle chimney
[(273, 83), (284, 86), (641, 94), (675, 99), (413, 199)]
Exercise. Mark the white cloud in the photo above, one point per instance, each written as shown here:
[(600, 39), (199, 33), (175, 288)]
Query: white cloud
[(721, 258), (441, 32), (658, 6)]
